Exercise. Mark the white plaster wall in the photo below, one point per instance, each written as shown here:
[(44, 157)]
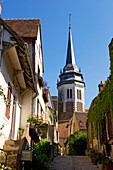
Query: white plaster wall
[(38, 63), (6, 76), (26, 106)]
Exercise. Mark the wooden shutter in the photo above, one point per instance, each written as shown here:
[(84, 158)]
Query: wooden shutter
[(7, 114)]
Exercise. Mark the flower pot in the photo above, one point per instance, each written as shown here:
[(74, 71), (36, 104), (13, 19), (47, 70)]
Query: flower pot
[(94, 162), (110, 167), (100, 166)]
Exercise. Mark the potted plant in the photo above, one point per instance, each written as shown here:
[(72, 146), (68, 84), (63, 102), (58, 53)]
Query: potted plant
[(36, 122), (108, 164), (90, 153), (95, 158), (101, 159)]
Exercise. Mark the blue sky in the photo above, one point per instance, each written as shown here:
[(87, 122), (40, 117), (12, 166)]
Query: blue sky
[(92, 31)]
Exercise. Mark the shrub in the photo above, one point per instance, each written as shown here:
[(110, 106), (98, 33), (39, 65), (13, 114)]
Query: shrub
[(41, 155), (77, 144)]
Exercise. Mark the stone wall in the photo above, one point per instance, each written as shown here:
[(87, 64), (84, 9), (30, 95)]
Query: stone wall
[(69, 107)]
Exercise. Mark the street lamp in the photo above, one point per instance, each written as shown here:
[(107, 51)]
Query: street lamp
[(0, 9)]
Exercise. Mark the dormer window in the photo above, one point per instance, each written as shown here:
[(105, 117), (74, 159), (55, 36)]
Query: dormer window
[(69, 93)]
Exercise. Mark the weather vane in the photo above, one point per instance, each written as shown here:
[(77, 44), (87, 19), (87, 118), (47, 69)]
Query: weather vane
[(69, 20)]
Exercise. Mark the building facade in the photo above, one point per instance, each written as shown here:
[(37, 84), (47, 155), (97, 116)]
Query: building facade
[(100, 115)]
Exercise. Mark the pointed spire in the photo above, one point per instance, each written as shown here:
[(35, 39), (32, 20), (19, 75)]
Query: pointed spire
[(0, 9), (70, 52)]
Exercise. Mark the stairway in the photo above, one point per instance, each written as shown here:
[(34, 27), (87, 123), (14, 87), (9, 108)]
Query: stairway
[(11, 147)]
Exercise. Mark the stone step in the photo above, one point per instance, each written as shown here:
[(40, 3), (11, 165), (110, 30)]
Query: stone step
[(11, 157), (12, 164), (12, 142), (9, 147), (10, 152)]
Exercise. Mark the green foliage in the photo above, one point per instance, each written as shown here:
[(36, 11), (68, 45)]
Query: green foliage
[(21, 131), (77, 144), (2, 167), (3, 95), (51, 115), (1, 130), (104, 101), (41, 155)]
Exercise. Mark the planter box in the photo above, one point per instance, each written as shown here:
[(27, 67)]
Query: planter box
[(110, 167), (26, 155)]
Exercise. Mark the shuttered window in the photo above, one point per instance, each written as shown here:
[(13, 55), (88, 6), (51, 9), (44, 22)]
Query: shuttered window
[(7, 114)]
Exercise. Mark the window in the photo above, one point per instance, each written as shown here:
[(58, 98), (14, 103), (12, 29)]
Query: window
[(79, 96), (69, 93), (7, 114)]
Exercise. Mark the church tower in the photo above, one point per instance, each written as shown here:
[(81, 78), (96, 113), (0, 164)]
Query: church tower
[(71, 86)]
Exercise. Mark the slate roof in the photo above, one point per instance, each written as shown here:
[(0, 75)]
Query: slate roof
[(70, 52), (24, 27), (63, 131), (81, 119)]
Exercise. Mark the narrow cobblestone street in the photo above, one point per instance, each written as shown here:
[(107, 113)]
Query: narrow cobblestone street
[(72, 163)]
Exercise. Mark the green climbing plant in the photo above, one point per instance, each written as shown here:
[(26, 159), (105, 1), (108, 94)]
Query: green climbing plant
[(51, 115), (104, 101)]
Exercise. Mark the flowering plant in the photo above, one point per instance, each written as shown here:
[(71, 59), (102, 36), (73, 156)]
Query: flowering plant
[(95, 156), (34, 119), (37, 120), (101, 158), (108, 162), (91, 152)]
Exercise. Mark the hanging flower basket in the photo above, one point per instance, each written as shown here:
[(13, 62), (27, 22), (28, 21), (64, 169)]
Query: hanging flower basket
[(37, 125), (32, 126)]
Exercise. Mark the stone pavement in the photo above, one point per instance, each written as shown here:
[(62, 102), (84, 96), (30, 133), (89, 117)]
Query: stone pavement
[(72, 163)]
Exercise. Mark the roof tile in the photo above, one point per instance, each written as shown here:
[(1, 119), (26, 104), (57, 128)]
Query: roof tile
[(24, 27)]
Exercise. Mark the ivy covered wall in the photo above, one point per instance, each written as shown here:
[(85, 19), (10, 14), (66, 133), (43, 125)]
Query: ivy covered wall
[(104, 101)]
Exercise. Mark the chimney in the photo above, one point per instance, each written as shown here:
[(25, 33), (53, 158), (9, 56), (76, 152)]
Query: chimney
[(0, 9), (100, 86)]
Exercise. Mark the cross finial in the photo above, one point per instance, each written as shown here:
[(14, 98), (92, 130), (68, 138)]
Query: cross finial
[(69, 20), (0, 9)]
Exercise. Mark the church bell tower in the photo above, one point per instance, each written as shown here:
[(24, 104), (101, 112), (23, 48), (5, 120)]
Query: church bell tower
[(71, 86)]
